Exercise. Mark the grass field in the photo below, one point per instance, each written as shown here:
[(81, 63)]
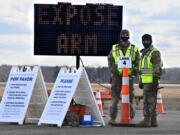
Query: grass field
[(170, 94)]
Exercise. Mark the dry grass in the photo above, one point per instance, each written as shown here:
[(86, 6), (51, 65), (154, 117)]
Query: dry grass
[(170, 93)]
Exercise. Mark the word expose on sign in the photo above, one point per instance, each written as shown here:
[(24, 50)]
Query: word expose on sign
[(65, 29)]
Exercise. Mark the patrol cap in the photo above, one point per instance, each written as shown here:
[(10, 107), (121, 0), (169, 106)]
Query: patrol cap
[(147, 37), (125, 32)]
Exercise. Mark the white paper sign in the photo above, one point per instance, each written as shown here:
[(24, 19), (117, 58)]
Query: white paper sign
[(17, 95), (60, 98), (124, 62)]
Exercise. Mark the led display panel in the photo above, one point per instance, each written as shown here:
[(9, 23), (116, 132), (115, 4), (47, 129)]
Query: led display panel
[(85, 30)]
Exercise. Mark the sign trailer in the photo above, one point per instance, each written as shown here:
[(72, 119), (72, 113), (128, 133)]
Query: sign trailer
[(78, 30)]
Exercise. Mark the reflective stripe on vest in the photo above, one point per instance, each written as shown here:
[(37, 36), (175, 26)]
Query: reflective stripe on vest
[(131, 51), (146, 67)]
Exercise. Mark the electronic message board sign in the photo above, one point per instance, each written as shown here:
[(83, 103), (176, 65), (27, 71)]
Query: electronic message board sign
[(85, 30)]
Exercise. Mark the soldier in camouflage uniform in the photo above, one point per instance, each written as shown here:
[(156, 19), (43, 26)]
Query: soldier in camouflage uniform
[(150, 72), (123, 48)]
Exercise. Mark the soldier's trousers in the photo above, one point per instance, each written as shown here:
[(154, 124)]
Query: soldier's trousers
[(116, 86), (150, 99)]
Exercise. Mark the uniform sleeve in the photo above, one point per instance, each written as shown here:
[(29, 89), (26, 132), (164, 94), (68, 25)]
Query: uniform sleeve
[(157, 64), (136, 63), (111, 64)]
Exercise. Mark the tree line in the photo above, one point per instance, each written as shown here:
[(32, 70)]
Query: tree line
[(98, 74)]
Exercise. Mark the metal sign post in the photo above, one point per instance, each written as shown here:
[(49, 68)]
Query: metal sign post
[(77, 61)]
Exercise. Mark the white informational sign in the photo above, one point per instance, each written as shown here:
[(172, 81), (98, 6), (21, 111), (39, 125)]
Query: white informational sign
[(60, 98), (124, 62), (66, 87), (18, 92)]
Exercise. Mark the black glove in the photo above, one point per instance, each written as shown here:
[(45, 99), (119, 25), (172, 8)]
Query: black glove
[(155, 83), (135, 73), (140, 85), (115, 70)]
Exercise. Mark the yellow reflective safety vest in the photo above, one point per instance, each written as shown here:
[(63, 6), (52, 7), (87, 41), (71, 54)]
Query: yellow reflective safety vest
[(131, 51), (146, 67)]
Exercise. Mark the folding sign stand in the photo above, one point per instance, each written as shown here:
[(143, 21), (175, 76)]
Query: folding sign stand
[(24, 97), (70, 84)]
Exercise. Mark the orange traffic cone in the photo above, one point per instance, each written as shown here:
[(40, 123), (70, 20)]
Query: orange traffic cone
[(160, 108), (99, 102), (125, 106)]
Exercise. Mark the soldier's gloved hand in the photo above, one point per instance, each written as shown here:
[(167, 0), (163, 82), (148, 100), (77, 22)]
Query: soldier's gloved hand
[(140, 85), (135, 72), (114, 71), (155, 83)]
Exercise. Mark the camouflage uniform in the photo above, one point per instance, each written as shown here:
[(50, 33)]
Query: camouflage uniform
[(150, 95), (116, 81)]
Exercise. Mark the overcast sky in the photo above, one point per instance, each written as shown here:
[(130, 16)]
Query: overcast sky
[(161, 18)]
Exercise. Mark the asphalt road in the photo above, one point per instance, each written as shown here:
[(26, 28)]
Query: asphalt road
[(169, 124)]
